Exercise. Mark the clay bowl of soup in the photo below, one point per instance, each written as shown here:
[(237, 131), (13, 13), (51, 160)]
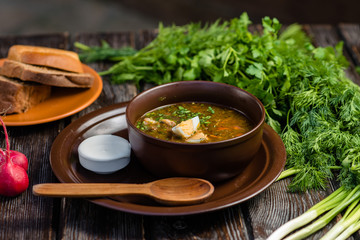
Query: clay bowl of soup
[(195, 129)]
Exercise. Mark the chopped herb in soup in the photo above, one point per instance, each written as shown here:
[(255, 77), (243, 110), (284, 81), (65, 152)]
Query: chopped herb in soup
[(194, 122)]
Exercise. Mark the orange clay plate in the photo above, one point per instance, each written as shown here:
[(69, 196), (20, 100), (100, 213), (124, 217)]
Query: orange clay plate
[(62, 103)]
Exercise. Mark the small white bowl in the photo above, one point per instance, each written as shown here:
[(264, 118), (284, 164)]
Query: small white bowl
[(104, 154)]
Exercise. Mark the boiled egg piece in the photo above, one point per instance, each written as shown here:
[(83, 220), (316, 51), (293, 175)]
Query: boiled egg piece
[(187, 128), (197, 138)]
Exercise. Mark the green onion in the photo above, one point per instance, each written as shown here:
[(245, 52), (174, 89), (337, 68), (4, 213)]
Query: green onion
[(351, 216), (325, 205), (332, 205), (349, 231)]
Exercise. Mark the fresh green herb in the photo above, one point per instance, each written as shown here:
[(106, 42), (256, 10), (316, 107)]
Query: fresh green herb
[(204, 119), (141, 126), (184, 113), (308, 99), (103, 52), (211, 110)]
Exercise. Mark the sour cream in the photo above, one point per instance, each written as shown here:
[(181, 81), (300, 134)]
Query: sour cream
[(104, 154)]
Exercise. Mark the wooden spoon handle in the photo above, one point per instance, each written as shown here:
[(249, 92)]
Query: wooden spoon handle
[(88, 189)]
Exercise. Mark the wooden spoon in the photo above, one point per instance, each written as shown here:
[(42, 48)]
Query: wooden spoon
[(169, 191)]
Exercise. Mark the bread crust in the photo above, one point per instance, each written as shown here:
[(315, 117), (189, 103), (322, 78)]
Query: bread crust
[(27, 72), (18, 97), (44, 56)]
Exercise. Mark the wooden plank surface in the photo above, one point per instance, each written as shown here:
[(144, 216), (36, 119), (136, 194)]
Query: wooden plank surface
[(351, 34), (27, 216), (30, 217)]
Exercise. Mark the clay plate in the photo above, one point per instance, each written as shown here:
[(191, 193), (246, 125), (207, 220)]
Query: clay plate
[(260, 173), (62, 103)]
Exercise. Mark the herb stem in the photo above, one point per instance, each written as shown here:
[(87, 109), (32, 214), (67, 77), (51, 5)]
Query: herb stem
[(287, 173), (229, 52), (144, 68), (292, 171), (82, 46)]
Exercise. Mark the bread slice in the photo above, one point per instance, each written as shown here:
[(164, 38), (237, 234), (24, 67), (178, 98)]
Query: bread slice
[(18, 96), (43, 75), (49, 57)]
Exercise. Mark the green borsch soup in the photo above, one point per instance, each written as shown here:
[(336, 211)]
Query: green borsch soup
[(194, 122)]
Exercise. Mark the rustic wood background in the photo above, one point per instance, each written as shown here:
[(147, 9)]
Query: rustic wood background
[(287, 11)]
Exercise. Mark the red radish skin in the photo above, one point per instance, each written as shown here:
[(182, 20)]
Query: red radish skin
[(13, 177), (19, 159)]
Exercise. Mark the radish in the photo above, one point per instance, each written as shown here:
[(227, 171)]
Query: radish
[(13, 165)]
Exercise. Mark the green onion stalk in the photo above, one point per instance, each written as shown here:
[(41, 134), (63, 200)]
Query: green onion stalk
[(309, 100), (331, 206)]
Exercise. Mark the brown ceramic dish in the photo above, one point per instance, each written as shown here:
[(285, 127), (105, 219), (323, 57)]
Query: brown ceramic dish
[(213, 161), (260, 173)]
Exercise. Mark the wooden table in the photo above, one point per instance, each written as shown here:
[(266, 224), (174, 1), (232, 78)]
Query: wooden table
[(29, 217)]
